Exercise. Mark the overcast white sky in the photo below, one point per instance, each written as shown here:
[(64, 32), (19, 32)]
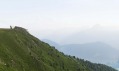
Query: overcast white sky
[(51, 17)]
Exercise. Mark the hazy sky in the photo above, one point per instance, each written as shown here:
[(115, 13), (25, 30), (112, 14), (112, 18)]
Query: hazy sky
[(56, 17)]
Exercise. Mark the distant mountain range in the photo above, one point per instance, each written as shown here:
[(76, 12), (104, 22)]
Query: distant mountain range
[(94, 34), (98, 52)]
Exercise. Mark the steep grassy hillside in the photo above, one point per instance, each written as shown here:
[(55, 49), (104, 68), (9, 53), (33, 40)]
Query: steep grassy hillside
[(20, 51)]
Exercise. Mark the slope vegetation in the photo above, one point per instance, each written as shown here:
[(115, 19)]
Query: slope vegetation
[(20, 51)]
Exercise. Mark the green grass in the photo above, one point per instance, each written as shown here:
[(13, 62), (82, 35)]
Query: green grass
[(20, 51)]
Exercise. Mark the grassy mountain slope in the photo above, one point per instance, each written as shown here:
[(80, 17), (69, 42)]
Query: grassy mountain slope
[(20, 51)]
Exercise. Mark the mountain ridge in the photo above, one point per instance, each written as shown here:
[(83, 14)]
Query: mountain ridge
[(92, 51), (21, 51)]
